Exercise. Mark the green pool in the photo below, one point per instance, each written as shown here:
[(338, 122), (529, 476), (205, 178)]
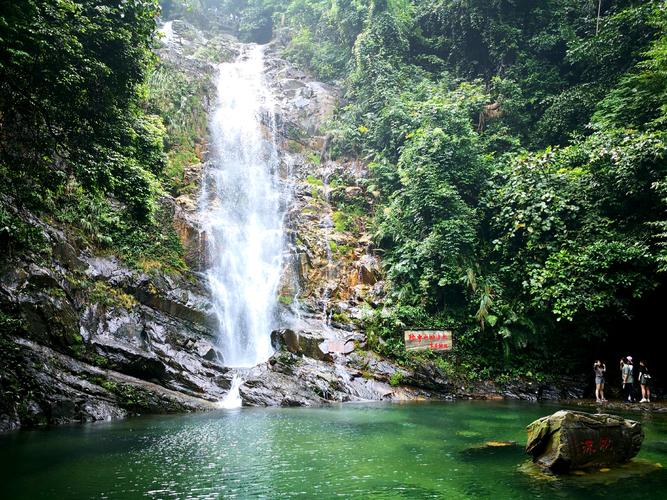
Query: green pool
[(429, 450)]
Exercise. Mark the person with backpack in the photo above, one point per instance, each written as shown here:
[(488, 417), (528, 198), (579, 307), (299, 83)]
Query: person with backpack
[(644, 382), (627, 374)]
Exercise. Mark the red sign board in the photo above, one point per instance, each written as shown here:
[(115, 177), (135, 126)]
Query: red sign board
[(434, 340)]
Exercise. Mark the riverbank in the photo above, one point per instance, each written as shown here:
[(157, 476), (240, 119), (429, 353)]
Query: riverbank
[(617, 406)]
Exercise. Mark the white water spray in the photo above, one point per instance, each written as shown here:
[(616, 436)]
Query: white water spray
[(242, 212), (233, 397), (167, 32)]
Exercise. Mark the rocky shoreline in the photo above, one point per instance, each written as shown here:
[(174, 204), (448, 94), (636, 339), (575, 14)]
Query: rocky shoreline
[(617, 406)]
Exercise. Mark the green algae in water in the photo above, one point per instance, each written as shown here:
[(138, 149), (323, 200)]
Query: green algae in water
[(352, 451)]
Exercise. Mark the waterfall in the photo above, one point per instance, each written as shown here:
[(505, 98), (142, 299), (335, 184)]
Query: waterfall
[(233, 398), (328, 226), (167, 32), (242, 211)]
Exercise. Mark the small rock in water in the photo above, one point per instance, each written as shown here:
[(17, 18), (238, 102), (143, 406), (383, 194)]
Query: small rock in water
[(499, 444), (569, 440), (491, 451)]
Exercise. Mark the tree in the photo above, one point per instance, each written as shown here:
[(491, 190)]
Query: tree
[(70, 74)]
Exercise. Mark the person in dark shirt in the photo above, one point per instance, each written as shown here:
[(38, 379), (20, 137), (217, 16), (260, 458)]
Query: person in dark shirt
[(644, 382)]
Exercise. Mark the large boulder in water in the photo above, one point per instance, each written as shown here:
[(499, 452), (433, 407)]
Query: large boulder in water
[(576, 440)]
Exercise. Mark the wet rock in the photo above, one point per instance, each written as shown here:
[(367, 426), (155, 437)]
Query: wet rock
[(311, 346), (369, 270), (295, 401), (302, 342), (569, 440), (372, 363), (337, 346), (291, 379), (177, 299), (548, 392), (189, 231), (126, 359), (287, 339), (374, 390), (186, 203), (41, 277), (290, 87), (65, 253), (96, 410), (94, 350), (205, 349), (304, 105), (64, 389), (520, 392), (102, 267), (591, 479), (429, 376), (50, 316)]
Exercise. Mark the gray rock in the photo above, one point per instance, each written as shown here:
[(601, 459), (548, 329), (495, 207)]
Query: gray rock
[(302, 342), (570, 440), (205, 350)]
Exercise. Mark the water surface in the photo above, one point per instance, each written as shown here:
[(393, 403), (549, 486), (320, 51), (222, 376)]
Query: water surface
[(413, 450)]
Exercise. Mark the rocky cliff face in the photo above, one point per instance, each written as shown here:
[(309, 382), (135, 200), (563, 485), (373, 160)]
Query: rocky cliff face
[(103, 340)]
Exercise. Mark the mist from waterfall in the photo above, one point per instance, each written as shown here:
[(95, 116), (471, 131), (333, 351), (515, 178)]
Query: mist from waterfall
[(242, 212)]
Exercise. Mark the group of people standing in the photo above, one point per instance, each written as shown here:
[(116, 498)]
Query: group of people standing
[(627, 378)]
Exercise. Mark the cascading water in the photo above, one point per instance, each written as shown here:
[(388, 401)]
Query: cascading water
[(328, 226), (242, 212), (233, 398), (167, 32)]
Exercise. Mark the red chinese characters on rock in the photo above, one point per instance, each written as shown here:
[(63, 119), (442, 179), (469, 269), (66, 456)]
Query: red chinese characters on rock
[(588, 446), (412, 336), (432, 345), (605, 444)]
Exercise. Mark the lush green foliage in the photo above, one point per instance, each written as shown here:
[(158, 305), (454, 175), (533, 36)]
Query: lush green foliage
[(69, 73), (519, 153), (178, 98), (76, 143)]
